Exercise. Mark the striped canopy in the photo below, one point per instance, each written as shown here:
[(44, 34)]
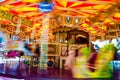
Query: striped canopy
[(91, 10)]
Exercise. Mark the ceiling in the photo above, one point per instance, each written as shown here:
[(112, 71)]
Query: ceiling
[(95, 14)]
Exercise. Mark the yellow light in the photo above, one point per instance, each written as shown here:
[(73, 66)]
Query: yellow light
[(46, 26), (85, 25), (103, 27), (117, 15), (108, 20), (37, 24), (40, 32), (27, 9), (4, 8), (112, 23), (92, 32), (31, 0), (90, 28)]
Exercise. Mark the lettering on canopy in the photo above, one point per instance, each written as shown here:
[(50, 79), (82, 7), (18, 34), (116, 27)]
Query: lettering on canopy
[(6, 15), (15, 19)]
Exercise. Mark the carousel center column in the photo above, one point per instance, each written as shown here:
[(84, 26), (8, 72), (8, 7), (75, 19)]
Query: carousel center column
[(44, 41), (45, 6)]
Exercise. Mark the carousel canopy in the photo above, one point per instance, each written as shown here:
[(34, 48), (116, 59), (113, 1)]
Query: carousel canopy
[(91, 15)]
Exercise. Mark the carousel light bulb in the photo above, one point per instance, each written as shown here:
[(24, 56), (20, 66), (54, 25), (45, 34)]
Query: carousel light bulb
[(59, 18), (60, 40), (68, 18), (76, 20), (65, 41)]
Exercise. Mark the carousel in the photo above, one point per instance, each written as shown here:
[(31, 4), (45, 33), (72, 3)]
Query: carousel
[(54, 26)]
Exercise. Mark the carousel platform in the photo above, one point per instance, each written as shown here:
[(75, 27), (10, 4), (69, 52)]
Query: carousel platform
[(35, 74), (19, 71)]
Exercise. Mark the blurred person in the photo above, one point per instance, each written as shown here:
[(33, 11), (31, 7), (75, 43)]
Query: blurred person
[(74, 54), (68, 66), (69, 60), (78, 61), (92, 58), (80, 68), (102, 63)]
